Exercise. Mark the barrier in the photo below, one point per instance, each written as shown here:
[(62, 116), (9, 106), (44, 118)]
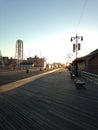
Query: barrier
[(89, 76)]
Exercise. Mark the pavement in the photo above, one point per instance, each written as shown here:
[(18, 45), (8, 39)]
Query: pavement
[(12, 76), (18, 83), (49, 102)]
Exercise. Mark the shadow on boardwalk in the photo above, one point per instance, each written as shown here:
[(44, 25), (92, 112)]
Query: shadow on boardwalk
[(51, 102)]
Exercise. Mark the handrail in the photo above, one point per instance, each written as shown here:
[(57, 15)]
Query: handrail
[(92, 77)]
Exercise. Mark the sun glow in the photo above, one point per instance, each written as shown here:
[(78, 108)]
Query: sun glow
[(56, 48)]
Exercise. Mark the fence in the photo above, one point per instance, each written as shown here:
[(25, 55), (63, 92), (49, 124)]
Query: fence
[(89, 76)]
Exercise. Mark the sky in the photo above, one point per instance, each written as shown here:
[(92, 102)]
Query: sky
[(46, 27)]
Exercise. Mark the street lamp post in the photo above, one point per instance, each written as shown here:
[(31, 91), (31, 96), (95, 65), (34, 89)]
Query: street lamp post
[(76, 38)]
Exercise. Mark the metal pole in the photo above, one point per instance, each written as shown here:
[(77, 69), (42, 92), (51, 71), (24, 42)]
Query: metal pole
[(76, 50), (76, 55)]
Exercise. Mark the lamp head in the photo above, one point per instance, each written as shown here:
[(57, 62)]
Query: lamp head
[(82, 38), (71, 39)]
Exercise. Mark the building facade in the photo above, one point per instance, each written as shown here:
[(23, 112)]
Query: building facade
[(88, 63)]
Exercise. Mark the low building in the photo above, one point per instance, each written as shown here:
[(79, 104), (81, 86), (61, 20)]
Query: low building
[(88, 63), (37, 62)]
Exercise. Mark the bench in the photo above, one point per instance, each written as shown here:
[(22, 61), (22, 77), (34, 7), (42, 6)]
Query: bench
[(79, 83)]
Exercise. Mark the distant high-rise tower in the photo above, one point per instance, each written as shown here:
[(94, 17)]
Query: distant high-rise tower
[(19, 51), (1, 59)]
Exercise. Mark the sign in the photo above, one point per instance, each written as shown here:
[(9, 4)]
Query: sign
[(79, 46), (74, 47)]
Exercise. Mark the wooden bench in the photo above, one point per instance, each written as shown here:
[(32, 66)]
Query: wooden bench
[(79, 83)]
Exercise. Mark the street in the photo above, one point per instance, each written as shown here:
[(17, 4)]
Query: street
[(50, 102)]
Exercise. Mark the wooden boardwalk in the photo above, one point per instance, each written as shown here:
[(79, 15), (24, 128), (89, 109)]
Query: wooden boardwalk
[(51, 102)]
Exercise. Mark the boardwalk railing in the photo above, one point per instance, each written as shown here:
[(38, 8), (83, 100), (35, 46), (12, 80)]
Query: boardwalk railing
[(91, 77)]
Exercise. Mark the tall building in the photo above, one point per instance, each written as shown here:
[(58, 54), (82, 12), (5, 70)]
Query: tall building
[(1, 59), (19, 51)]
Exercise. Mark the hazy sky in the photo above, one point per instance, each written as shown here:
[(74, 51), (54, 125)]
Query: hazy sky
[(46, 26)]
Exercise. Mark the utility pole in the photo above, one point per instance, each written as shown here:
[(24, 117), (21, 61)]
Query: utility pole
[(76, 38)]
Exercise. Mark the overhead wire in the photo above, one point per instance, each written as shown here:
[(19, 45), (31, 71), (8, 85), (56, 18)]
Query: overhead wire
[(81, 15)]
